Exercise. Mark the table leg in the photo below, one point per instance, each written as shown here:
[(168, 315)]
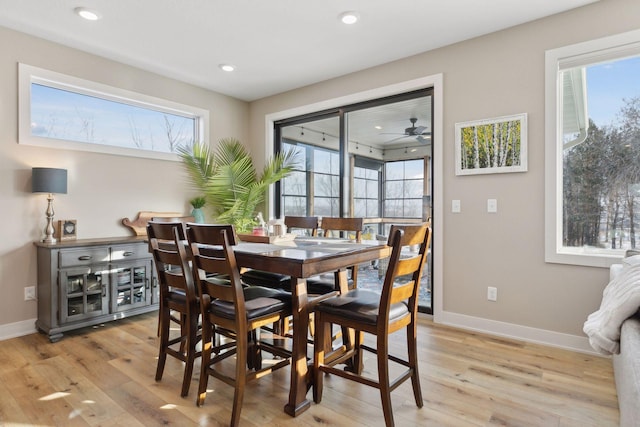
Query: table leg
[(298, 402)]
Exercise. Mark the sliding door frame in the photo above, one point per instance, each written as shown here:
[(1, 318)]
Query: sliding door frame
[(433, 81), (342, 114)]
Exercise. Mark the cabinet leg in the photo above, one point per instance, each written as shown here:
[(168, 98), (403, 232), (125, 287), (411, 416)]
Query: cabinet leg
[(55, 337)]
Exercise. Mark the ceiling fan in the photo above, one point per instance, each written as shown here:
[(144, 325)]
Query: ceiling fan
[(418, 131)]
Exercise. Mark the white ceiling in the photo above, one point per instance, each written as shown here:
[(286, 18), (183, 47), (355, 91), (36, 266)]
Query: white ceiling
[(276, 45)]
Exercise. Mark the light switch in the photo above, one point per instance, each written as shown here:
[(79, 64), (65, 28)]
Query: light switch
[(492, 205), (455, 206)]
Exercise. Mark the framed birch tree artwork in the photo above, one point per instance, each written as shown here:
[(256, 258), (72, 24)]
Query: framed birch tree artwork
[(497, 145)]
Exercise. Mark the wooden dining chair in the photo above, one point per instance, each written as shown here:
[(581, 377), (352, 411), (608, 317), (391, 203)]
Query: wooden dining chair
[(378, 314), (337, 227), (306, 224), (182, 219), (177, 295), (235, 311)]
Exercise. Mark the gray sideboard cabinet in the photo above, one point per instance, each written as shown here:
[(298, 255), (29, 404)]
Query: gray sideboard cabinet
[(91, 281)]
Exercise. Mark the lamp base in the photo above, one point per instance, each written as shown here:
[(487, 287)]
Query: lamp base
[(49, 239), (48, 230)]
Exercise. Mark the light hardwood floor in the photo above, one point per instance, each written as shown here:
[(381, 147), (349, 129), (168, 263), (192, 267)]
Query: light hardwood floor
[(105, 377)]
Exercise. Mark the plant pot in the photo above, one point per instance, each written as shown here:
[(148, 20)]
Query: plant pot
[(198, 215)]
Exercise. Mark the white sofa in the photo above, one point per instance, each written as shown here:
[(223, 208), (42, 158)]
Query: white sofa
[(626, 366)]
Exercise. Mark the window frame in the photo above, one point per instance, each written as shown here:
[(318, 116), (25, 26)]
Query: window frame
[(28, 75), (580, 54)]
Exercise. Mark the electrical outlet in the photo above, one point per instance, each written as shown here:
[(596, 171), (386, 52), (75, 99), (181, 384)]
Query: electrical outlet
[(29, 293), (492, 293)]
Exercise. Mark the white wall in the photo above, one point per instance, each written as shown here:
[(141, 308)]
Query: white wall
[(495, 75), (102, 189)]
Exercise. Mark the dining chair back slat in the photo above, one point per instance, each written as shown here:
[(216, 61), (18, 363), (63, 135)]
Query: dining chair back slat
[(308, 223), (330, 225), (182, 219)]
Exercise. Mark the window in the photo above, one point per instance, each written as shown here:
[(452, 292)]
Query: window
[(322, 167), (366, 188), (61, 111), (403, 189), (294, 186), (326, 182), (593, 150)]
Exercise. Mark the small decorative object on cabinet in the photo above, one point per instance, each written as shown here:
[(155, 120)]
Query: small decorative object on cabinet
[(91, 281), (66, 229)]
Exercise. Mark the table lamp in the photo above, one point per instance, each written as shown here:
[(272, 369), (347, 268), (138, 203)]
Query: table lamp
[(49, 180)]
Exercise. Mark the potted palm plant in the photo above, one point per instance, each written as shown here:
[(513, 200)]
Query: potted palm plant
[(229, 182)]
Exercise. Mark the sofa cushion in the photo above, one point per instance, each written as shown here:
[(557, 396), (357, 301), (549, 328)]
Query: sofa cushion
[(620, 300)]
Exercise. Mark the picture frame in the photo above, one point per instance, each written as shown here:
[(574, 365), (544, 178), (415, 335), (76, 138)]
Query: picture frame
[(66, 229), (496, 145)]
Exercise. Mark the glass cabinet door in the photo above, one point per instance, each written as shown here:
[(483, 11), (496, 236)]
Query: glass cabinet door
[(131, 285), (83, 292)]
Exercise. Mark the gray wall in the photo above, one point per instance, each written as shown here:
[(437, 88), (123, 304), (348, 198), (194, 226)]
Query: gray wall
[(491, 76), (102, 188)]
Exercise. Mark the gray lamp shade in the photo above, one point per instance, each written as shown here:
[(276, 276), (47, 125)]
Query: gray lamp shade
[(49, 180)]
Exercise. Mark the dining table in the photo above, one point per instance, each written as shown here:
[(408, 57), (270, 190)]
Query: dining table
[(301, 258)]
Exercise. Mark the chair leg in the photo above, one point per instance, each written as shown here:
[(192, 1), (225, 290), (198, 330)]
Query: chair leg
[(205, 360), (312, 323), (358, 360), (192, 330), (383, 379), (254, 355), (241, 379), (159, 319), (184, 332), (164, 327), (412, 347)]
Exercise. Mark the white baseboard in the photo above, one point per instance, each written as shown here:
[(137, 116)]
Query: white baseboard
[(17, 329), (462, 321), (518, 332)]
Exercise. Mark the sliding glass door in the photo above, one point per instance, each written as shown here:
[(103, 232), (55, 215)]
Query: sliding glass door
[(370, 160)]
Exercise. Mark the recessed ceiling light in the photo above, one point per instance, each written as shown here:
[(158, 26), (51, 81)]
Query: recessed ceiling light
[(378, 127), (227, 67), (87, 14), (349, 18)]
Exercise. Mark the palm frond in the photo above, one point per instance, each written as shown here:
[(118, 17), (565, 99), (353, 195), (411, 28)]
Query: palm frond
[(199, 163), (229, 181)]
